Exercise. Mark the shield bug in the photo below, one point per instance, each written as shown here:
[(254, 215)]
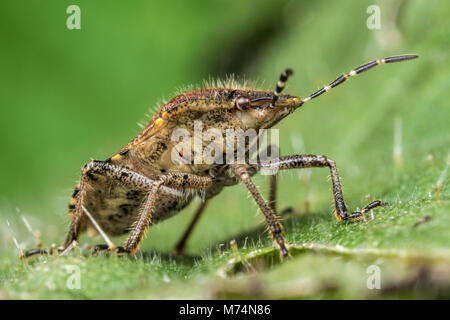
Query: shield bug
[(142, 184)]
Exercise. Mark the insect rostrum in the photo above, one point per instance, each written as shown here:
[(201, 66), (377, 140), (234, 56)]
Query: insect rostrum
[(141, 184)]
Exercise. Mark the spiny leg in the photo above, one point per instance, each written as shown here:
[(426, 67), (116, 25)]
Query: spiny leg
[(267, 154), (125, 176), (100, 247), (76, 218), (185, 180), (362, 68), (79, 197), (33, 252), (314, 161), (273, 192), (272, 220), (181, 244), (140, 226), (270, 152), (273, 188)]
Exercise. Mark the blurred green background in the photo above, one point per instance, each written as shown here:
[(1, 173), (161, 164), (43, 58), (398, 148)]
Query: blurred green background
[(67, 96)]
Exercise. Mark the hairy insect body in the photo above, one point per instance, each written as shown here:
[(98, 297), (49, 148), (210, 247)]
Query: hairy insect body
[(115, 206), (145, 182)]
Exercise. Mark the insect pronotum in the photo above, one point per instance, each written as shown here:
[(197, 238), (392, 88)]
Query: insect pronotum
[(142, 184)]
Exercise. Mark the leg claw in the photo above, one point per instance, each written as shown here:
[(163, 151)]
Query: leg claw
[(40, 251), (370, 206), (105, 247)]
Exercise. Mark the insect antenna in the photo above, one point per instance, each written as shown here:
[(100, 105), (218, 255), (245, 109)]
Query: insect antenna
[(362, 68), (280, 85)]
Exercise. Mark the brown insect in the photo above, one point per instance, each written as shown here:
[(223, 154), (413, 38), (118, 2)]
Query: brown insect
[(141, 184)]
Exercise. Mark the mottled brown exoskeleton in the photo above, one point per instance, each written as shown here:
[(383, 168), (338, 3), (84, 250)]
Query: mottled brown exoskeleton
[(141, 184)]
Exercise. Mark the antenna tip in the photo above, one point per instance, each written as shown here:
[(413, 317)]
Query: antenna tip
[(400, 58)]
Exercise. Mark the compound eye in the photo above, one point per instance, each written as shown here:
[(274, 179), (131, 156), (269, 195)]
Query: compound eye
[(242, 103)]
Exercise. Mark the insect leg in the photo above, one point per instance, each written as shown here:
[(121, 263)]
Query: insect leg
[(272, 220), (315, 161), (33, 252), (100, 247), (180, 180), (362, 68), (125, 176), (273, 187), (181, 244), (141, 225), (75, 224), (264, 154)]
